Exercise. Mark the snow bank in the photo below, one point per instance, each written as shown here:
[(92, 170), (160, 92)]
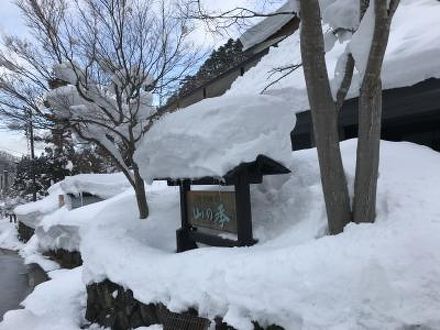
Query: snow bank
[(53, 305), (381, 276), (101, 185), (411, 57), (61, 228), (374, 276), (215, 135), (32, 213), (8, 236)]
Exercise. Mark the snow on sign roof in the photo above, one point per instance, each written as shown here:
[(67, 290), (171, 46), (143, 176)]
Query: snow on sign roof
[(267, 27), (101, 185), (213, 136)]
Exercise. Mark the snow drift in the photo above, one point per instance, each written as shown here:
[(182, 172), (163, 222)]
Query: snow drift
[(375, 276)]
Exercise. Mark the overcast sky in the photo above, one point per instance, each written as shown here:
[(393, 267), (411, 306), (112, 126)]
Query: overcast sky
[(11, 22)]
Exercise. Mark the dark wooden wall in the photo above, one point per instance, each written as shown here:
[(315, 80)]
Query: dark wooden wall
[(409, 114)]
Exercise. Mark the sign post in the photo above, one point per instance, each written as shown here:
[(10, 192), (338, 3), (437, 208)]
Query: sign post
[(210, 216)]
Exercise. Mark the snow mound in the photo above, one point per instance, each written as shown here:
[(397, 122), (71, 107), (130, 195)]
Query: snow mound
[(215, 135), (372, 276), (53, 305), (32, 213), (375, 276), (8, 236), (101, 185), (61, 228)]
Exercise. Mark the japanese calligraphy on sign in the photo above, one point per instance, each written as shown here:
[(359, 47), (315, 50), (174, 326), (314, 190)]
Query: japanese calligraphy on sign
[(212, 209)]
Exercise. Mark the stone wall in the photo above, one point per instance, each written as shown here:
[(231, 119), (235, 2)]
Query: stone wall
[(66, 259), (36, 275), (24, 232), (111, 306)]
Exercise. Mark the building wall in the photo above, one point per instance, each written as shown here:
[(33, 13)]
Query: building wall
[(409, 114)]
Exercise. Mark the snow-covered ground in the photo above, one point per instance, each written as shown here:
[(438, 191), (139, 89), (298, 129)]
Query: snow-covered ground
[(375, 276), (54, 305), (8, 236)]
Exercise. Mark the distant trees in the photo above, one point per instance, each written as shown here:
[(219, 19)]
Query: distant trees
[(35, 176), (220, 60), (107, 60)]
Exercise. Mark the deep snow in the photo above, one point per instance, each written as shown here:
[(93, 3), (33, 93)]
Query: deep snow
[(374, 276)]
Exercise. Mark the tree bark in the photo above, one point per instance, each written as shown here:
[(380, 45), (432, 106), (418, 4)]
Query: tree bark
[(32, 146), (324, 117), (141, 196), (367, 155), (370, 114)]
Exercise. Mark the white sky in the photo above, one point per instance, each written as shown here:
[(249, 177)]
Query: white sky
[(11, 22)]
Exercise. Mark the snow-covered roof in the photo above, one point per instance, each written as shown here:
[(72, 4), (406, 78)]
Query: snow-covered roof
[(268, 27), (101, 185), (213, 136), (412, 56)]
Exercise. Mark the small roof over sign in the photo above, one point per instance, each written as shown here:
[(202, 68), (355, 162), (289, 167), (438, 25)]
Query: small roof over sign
[(255, 171), (214, 136)]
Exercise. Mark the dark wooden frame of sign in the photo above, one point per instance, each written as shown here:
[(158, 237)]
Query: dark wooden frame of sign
[(240, 177)]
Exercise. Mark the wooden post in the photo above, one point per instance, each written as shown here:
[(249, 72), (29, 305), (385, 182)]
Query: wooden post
[(243, 204), (184, 242)]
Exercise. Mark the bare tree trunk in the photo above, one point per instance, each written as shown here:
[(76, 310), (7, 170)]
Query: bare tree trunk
[(141, 197), (370, 114), (368, 150), (32, 146), (325, 118)]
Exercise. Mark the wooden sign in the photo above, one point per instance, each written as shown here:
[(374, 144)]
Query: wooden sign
[(212, 209)]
